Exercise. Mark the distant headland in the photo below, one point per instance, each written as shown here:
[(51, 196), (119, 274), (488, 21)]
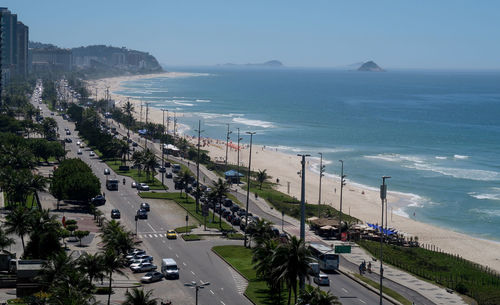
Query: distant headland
[(270, 63), (370, 66)]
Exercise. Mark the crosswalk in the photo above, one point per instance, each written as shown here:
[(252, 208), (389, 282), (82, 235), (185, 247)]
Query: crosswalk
[(151, 235)]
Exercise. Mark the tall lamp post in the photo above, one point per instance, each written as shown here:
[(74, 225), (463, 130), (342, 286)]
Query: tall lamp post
[(197, 287), (248, 185), (162, 147), (321, 171), (383, 196), (198, 173), (238, 159), (342, 183), (227, 144), (303, 209)]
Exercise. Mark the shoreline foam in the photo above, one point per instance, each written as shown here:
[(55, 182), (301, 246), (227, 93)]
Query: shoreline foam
[(359, 200)]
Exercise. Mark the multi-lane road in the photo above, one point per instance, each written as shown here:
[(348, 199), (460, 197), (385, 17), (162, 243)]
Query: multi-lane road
[(196, 260)]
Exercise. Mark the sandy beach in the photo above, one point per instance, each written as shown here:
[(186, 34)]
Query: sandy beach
[(357, 201)]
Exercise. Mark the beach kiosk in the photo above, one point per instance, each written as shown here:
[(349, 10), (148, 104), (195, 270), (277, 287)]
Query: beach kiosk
[(233, 176)]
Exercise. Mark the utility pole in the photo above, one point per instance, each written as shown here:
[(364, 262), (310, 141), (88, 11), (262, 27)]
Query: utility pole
[(383, 198), (248, 185), (163, 149), (342, 183), (303, 210), (198, 173), (321, 171), (238, 160), (175, 128), (146, 134), (168, 124), (227, 145), (140, 119)]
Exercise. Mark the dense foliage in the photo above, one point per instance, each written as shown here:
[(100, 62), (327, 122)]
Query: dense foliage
[(74, 180)]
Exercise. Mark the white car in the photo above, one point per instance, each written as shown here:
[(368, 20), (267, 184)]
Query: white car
[(78, 143), (91, 154), (143, 267), (143, 187), (322, 279), (152, 276)]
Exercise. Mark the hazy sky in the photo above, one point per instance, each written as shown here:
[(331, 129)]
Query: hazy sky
[(435, 34)]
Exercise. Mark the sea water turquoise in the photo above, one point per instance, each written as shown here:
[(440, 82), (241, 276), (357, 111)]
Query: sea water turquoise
[(436, 133)]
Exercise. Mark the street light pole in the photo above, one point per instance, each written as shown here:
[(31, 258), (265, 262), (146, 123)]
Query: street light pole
[(342, 183), (198, 173), (197, 288), (248, 185), (321, 171), (238, 160), (227, 144), (163, 150), (383, 196), (303, 210)]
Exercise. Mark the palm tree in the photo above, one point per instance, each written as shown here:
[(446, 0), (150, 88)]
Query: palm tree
[(220, 188), (113, 262), (184, 180), (138, 297), (37, 184), (292, 261), (115, 236), (5, 241), (261, 177), (128, 109), (138, 158), (18, 222), (315, 296), (56, 268), (262, 231), (44, 235), (149, 163), (124, 151), (91, 265), (262, 258)]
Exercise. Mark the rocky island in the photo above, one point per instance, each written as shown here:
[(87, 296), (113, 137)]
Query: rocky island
[(370, 66)]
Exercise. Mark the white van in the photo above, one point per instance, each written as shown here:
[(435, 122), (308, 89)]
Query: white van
[(169, 268)]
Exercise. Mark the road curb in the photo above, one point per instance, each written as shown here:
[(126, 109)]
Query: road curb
[(349, 275), (245, 293)]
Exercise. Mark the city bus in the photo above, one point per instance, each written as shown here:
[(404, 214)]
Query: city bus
[(112, 184), (326, 257)]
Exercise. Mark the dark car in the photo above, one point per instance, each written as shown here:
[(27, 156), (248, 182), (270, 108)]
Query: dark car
[(235, 208), (142, 214), (98, 200), (68, 140), (162, 169), (236, 221), (167, 164), (145, 206), (227, 202), (241, 212), (168, 175), (115, 214), (229, 217), (134, 144), (225, 213)]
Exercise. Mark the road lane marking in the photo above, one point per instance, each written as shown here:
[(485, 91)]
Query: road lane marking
[(169, 248), (362, 301), (193, 272), (151, 227), (345, 290), (184, 263), (155, 235), (150, 236), (177, 256), (223, 303), (140, 236), (211, 291)]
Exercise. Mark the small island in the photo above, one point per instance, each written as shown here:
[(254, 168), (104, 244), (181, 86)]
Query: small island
[(370, 66)]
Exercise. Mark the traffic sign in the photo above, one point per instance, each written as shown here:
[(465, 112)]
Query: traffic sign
[(342, 249)]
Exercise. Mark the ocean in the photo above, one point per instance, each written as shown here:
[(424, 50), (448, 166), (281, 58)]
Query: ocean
[(436, 133)]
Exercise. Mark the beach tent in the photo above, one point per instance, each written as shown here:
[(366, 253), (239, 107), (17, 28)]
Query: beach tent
[(233, 176), (170, 147), (142, 131)]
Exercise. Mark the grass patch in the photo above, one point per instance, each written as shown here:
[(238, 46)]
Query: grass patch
[(185, 229), (393, 294), (241, 259), (30, 202), (189, 204), (237, 236), (154, 184), (451, 271), (191, 237), (234, 199)]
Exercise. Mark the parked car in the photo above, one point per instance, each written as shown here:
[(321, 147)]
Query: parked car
[(143, 267), (322, 279), (241, 212), (235, 208), (143, 187), (227, 202), (145, 206), (115, 214), (144, 257), (137, 261), (98, 200), (132, 253), (225, 213), (152, 276), (236, 221), (106, 171), (142, 214), (171, 234)]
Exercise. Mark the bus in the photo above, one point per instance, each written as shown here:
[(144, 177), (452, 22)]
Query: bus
[(326, 257), (112, 184)]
